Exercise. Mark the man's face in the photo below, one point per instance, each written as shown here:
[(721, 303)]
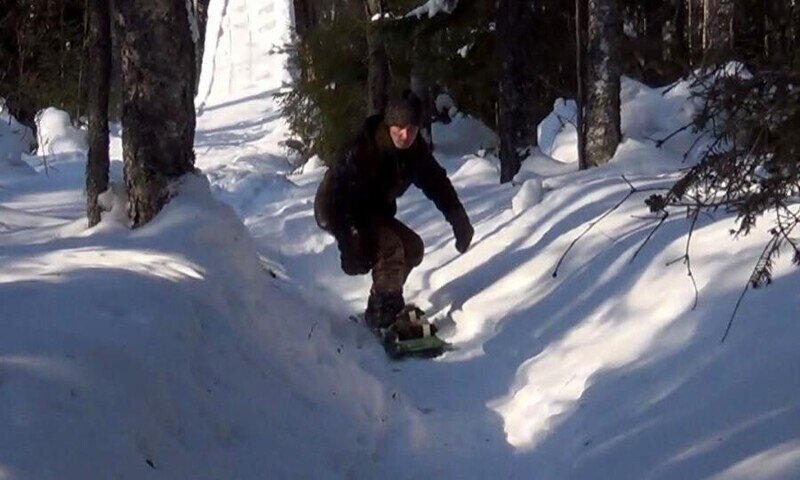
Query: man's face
[(403, 136)]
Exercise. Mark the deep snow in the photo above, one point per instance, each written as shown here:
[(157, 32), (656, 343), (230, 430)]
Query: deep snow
[(214, 342)]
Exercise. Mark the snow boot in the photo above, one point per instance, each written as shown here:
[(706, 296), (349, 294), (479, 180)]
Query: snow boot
[(411, 323), (382, 310)]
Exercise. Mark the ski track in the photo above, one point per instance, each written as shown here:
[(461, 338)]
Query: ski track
[(238, 130), (517, 399)]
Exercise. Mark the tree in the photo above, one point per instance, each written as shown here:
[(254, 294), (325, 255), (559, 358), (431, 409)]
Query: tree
[(509, 13), (98, 77), (200, 13), (157, 108), (694, 30), (305, 16), (580, 96), (377, 77), (717, 28), (602, 109), (40, 56)]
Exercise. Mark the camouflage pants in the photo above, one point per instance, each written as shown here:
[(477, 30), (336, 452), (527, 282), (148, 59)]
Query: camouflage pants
[(398, 251)]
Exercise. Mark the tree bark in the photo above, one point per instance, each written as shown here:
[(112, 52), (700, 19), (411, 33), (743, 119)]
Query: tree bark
[(509, 99), (201, 17), (603, 81), (305, 16), (794, 32), (717, 29), (157, 106), (377, 78), (675, 47), (580, 101), (422, 90), (98, 78), (694, 30)]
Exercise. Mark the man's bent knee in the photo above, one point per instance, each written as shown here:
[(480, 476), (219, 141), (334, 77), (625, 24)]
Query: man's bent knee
[(414, 249)]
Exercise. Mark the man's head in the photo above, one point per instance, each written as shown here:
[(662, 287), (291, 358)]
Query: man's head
[(403, 116)]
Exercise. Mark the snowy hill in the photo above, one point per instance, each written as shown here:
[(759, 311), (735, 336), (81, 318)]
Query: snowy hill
[(215, 342)]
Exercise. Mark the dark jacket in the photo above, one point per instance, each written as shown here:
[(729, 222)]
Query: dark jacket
[(362, 188)]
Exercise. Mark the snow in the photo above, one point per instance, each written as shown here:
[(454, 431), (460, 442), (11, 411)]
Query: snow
[(215, 342), (433, 7), (556, 134), (56, 135), (530, 193), (15, 139)]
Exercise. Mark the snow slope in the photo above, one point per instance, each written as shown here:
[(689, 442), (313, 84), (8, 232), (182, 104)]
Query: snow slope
[(196, 347)]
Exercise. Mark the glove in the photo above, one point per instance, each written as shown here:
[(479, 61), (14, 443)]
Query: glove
[(354, 259), (463, 231), (354, 265)]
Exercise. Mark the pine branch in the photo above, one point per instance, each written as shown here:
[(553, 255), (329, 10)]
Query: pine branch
[(767, 248), (595, 222)]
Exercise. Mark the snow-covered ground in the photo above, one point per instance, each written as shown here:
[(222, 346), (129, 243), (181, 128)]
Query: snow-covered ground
[(215, 341)]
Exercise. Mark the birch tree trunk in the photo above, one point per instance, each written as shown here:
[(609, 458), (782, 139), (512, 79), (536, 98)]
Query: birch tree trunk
[(98, 79), (602, 121), (158, 114)]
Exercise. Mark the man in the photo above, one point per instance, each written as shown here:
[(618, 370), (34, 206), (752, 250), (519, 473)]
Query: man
[(356, 202)]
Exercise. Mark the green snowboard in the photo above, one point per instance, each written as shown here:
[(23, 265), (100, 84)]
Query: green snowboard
[(426, 345)]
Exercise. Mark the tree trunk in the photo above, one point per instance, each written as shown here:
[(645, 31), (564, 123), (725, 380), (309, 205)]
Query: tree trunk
[(378, 74), (655, 28), (694, 30), (99, 75), (580, 101), (509, 99), (305, 16), (201, 17), (794, 32), (674, 52), (422, 90), (157, 101), (717, 29), (603, 81)]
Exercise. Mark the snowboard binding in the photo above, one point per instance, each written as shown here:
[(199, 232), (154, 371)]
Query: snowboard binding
[(412, 334)]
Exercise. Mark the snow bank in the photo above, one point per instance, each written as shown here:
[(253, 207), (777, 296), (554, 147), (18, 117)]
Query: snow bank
[(556, 134), (15, 139), (169, 351), (464, 135), (648, 115), (530, 194), (56, 135)]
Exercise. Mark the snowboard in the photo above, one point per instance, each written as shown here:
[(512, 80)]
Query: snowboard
[(425, 344)]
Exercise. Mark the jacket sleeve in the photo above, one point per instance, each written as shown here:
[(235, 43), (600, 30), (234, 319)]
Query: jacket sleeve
[(432, 179), (344, 183)]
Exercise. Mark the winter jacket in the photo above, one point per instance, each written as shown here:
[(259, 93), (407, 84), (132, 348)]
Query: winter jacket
[(361, 190)]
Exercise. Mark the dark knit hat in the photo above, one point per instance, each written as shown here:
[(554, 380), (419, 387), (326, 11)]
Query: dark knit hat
[(404, 110)]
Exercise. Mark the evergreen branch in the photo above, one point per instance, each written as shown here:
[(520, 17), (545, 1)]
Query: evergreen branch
[(688, 260), (767, 248), (593, 223), (662, 141), (649, 236)]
